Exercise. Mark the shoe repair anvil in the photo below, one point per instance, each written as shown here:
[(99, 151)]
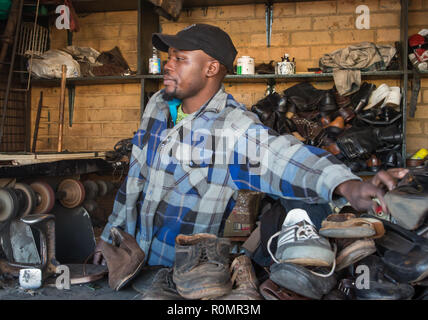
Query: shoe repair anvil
[(45, 224)]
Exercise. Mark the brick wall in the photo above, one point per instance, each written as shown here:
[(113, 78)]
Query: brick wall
[(305, 30), (103, 114)]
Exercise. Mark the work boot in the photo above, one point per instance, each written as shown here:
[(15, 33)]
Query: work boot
[(244, 280), (124, 258), (163, 287), (201, 267)]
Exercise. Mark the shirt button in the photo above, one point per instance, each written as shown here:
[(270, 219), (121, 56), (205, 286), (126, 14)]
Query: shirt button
[(168, 139)]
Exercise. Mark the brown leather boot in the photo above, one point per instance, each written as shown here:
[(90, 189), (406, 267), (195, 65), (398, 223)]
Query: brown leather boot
[(245, 283), (124, 258), (201, 267)]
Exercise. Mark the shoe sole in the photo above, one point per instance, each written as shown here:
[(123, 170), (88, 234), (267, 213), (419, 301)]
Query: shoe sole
[(300, 281), (308, 256), (125, 281), (348, 232), (354, 253), (204, 292)]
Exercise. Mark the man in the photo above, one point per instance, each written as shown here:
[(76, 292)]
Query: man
[(169, 190)]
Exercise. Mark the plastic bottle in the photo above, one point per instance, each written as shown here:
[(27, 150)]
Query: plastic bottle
[(155, 63)]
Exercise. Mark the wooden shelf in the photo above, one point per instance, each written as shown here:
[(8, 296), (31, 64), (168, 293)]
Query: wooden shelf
[(86, 81)]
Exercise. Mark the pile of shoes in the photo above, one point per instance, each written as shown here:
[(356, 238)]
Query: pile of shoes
[(362, 129), (370, 256), (202, 270), (365, 256)]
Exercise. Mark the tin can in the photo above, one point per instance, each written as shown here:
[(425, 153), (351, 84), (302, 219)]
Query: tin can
[(285, 67), (154, 65), (245, 65)]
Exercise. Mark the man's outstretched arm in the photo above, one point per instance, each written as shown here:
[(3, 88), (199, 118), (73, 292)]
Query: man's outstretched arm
[(290, 169)]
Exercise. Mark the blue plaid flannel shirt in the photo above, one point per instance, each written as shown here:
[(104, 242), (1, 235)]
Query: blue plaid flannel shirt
[(184, 179)]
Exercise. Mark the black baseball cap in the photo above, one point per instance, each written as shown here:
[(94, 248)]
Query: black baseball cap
[(210, 39)]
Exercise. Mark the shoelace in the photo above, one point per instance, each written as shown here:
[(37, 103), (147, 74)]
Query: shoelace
[(305, 232), (203, 257), (238, 273), (305, 229)]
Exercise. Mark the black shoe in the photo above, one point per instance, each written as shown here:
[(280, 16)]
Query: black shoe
[(392, 159), (358, 143), (301, 280), (391, 134), (328, 103), (361, 98), (404, 253), (380, 286), (304, 97), (388, 114)]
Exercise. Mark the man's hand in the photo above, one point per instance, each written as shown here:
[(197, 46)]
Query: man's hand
[(388, 178), (361, 194), (98, 257)]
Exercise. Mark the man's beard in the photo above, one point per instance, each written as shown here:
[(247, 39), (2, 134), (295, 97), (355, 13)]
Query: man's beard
[(168, 96)]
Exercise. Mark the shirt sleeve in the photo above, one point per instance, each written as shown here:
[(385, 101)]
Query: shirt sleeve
[(283, 166), (124, 214)]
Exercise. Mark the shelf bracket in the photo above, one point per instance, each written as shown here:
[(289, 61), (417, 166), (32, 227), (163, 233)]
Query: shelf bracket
[(269, 21), (416, 86)]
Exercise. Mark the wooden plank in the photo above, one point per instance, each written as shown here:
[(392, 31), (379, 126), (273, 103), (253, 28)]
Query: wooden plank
[(53, 156)]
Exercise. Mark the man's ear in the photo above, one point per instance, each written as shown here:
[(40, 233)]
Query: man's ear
[(213, 68)]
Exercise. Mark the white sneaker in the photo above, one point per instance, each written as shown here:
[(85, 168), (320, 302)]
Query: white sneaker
[(393, 99), (300, 243), (378, 96)]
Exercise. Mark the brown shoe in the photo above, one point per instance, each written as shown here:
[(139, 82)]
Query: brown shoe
[(351, 251), (244, 281), (201, 267), (124, 258), (347, 225)]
